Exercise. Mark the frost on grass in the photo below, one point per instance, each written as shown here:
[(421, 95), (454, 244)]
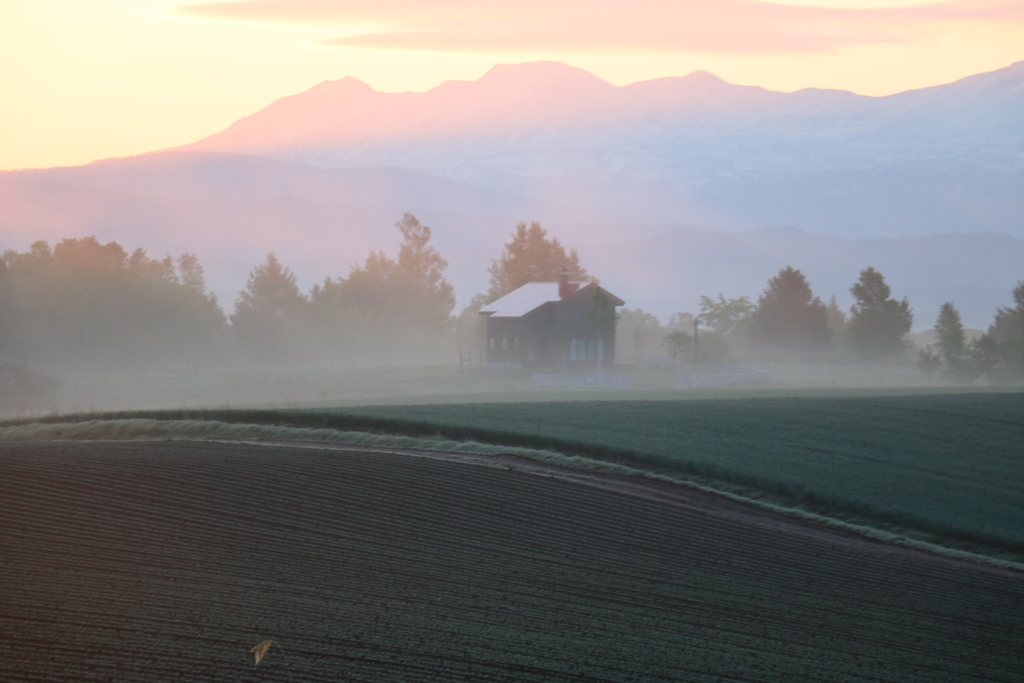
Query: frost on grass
[(212, 430)]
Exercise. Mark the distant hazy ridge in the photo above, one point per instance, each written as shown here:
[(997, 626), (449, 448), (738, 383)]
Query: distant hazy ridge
[(651, 181), (692, 149)]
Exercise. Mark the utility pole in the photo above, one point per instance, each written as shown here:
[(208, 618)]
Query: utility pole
[(696, 345)]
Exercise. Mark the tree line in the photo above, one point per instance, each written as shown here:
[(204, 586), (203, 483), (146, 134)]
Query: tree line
[(82, 302), (85, 304), (789, 317), (997, 355)]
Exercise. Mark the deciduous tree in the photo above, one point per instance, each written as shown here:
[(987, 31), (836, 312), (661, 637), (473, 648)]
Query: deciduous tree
[(681, 320), (421, 271), (387, 307), (637, 329), (677, 342), (725, 316), (84, 302)]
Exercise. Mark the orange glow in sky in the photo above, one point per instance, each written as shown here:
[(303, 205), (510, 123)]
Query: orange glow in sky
[(89, 80)]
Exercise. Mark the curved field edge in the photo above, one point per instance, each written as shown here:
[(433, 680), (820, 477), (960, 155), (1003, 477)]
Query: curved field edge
[(137, 428), (947, 469)]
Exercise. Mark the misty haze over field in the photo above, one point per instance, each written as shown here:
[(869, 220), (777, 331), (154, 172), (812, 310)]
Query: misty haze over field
[(334, 349), (676, 193)]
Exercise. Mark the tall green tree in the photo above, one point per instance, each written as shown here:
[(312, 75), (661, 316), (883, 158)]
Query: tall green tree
[(789, 315), (198, 312), (1000, 351), (951, 341), (269, 319), (191, 274), (270, 294), (387, 307), (836, 322), (412, 287), (878, 324), (421, 271), (950, 346), (531, 256)]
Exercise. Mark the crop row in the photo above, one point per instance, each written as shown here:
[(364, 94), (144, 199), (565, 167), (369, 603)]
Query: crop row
[(168, 560)]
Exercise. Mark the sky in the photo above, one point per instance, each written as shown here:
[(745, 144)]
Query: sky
[(107, 78)]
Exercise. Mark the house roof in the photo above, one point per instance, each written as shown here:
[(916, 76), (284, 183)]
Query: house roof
[(532, 296)]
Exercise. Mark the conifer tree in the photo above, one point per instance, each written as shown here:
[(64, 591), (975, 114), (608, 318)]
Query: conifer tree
[(878, 324), (789, 315), (951, 345), (836, 322), (1000, 351), (268, 320), (530, 256)]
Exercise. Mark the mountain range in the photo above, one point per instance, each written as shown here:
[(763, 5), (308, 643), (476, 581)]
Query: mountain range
[(690, 150), (670, 188)]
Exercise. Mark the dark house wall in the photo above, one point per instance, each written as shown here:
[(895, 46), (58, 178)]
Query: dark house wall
[(576, 331)]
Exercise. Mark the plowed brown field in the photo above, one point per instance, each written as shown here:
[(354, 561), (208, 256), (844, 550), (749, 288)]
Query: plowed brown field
[(167, 561)]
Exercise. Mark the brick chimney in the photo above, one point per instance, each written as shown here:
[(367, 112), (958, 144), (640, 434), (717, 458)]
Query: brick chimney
[(564, 289)]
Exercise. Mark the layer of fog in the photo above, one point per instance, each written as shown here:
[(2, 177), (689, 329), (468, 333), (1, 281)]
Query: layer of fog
[(124, 358)]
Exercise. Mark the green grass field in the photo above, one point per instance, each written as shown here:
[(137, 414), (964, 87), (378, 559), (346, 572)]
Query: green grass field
[(945, 467), (168, 560), (950, 465)]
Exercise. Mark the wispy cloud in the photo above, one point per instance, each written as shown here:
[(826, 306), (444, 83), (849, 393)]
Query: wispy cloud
[(734, 26)]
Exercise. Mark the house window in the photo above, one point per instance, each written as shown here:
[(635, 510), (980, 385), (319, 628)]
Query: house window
[(504, 343), (515, 343), (492, 343), (582, 349), (586, 349)]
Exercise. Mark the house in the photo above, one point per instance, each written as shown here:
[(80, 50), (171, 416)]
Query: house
[(553, 323)]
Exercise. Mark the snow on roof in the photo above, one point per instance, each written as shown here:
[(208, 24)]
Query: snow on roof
[(529, 297)]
